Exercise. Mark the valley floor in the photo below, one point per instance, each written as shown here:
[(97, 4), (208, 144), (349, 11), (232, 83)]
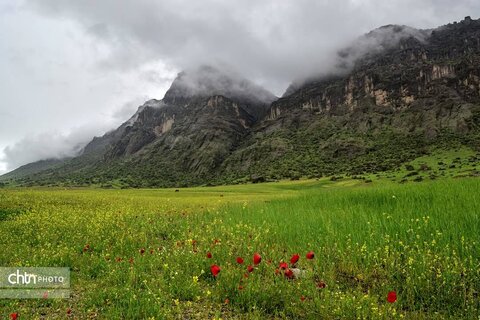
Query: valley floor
[(147, 254)]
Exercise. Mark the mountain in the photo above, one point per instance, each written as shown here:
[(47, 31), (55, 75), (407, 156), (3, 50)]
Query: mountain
[(396, 94), (384, 106), (183, 137)]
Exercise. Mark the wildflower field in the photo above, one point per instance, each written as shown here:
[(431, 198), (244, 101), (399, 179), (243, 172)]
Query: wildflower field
[(315, 249)]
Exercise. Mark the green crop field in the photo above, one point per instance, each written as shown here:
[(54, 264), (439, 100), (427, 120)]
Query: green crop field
[(147, 254)]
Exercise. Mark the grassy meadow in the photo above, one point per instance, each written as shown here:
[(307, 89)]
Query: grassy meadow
[(147, 254)]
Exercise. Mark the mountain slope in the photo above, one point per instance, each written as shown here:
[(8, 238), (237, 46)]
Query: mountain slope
[(32, 169)]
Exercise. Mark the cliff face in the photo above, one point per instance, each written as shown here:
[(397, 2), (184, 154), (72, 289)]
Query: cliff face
[(436, 74), (194, 137)]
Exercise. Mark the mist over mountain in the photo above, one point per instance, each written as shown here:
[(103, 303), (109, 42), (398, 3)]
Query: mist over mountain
[(367, 46), (392, 95), (206, 81)]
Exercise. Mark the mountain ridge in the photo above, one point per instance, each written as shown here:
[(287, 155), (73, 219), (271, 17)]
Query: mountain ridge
[(388, 105)]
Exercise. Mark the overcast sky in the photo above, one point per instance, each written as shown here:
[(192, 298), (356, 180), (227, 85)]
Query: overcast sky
[(73, 69)]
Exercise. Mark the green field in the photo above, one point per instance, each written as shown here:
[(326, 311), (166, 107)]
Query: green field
[(420, 240)]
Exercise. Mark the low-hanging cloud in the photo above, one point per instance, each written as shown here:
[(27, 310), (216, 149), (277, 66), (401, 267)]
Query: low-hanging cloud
[(270, 41), (49, 145)]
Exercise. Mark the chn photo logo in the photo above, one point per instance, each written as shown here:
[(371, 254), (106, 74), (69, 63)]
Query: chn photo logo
[(34, 283)]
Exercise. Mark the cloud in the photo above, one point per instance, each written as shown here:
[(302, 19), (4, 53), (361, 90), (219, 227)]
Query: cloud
[(270, 41), (3, 168), (52, 81), (123, 113), (49, 145), (207, 80)]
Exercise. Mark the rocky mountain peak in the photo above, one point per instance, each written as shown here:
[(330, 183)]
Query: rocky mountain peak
[(207, 81)]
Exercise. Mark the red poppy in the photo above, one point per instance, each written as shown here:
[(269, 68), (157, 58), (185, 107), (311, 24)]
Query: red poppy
[(250, 269), (215, 270), (86, 248), (321, 285), (294, 259), (289, 274), (240, 287), (283, 265), (69, 311), (209, 255), (239, 260), (392, 297), (257, 258), (14, 316), (142, 251), (310, 255), (302, 298)]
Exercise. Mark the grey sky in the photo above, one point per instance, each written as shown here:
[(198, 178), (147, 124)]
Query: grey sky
[(72, 69)]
